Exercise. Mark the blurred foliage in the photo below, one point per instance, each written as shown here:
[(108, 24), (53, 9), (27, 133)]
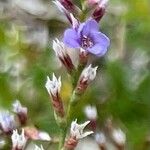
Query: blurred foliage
[(122, 87)]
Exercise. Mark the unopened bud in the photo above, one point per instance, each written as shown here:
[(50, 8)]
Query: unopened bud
[(101, 140), (18, 141), (74, 21), (100, 10), (20, 111), (85, 79), (61, 52), (53, 87), (7, 122), (76, 133), (119, 137)]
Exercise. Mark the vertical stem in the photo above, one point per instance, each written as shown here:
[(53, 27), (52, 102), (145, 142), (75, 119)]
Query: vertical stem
[(62, 138)]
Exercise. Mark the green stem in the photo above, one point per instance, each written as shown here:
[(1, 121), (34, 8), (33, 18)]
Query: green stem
[(62, 138)]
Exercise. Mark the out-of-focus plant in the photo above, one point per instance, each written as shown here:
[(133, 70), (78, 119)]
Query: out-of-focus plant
[(121, 93)]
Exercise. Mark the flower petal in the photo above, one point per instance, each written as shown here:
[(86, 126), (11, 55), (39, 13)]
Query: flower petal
[(71, 38), (89, 27), (98, 50), (100, 38)]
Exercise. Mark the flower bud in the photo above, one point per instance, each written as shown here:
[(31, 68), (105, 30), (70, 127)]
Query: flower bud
[(53, 87), (119, 137), (7, 122), (20, 111), (101, 140), (61, 52), (68, 5), (76, 133), (86, 77), (74, 21), (18, 141), (100, 10), (91, 114)]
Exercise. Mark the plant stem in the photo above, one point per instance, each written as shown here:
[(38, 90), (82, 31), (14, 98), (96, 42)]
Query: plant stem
[(62, 138)]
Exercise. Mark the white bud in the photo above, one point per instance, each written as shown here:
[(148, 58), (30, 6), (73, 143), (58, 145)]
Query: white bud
[(100, 138), (7, 121), (59, 48), (18, 141), (89, 73), (18, 108), (77, 130), (53, 86), (90, 112), (119, 136)]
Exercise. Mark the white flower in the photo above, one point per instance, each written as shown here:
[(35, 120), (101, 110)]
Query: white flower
[(75, 22), (18, 108), (89, 73), (53, 86), (91, 112), (119, 136), (77, 130), (18, 141), (38, 148), (100, 138), (7, 121), (59, 48)]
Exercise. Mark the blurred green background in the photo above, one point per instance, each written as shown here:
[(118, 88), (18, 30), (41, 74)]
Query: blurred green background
[(122, 87)]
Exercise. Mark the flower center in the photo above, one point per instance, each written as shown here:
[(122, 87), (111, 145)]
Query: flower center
[(86, 42)]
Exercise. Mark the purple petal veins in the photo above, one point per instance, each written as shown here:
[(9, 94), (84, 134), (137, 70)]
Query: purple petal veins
[(88, 37)]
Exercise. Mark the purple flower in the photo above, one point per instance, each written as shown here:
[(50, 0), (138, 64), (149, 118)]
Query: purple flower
[(88, 37)]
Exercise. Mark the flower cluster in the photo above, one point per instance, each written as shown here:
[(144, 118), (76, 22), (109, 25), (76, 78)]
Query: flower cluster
[(85, 38)]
